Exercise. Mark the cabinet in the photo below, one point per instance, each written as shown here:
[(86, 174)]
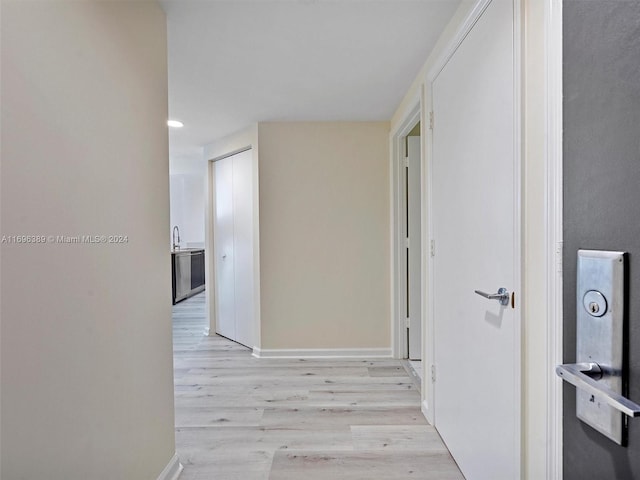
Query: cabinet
[(187, 273), (197, 270)]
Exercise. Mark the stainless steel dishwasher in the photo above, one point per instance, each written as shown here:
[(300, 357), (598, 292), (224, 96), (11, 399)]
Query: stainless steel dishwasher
[(188, 273)]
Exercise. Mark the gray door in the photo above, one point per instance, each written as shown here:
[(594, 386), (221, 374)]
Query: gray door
[(601, 198)]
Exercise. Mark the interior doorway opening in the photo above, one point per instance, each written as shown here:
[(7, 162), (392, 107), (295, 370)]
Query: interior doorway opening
[(408, 231), (413, 243)]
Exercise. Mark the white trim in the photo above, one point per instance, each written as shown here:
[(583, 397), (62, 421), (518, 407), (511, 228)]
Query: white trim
[(518, 182), (554, 236), (428, 354), (322, 353), (173, 469), (424, 407), (427, 336), (470, 20), (210, 269), (463, 30), (246, 148), (411, 117)]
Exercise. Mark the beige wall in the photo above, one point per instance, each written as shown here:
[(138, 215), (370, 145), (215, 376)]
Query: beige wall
[(86, 328), (534, 297), (324, 235)]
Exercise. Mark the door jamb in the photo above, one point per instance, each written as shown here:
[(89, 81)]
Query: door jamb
[(398, 264), (554, 233), (210, 262), (429, 404)]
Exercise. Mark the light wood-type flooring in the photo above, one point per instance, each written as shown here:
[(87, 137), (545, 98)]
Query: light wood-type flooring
[(242, 418)]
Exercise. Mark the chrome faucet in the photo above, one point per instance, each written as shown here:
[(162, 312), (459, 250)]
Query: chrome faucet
[(176, 246)]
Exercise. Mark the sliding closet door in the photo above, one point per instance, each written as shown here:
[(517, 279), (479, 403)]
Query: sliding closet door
[(234, 230), (223, 249), (243, 245)]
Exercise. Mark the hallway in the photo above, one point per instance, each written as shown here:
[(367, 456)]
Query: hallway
[(241, 418)]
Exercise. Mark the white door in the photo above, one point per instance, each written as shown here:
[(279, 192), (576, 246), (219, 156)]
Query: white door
[(414, 250), (474, 215), (243, 246), (234, 249), (223, 249)]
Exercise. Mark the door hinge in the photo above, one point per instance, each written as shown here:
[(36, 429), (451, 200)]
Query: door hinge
[(407, 322), (559, 246), (433, 373), (405, 162), (431, 120), (406, 242), (433, 248)]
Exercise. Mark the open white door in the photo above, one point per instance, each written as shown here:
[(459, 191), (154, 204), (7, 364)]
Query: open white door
[(475, 225), (414, 248)]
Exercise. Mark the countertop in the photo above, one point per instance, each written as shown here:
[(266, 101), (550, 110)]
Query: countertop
[(186, 250)]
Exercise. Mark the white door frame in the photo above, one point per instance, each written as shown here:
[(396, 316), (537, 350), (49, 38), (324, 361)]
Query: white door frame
[(429, 407), (398, 210), (554, 235), (210, 266), (419, 108)]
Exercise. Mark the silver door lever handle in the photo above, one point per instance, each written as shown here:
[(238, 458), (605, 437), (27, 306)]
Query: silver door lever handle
[(502, 296), (586, 375)]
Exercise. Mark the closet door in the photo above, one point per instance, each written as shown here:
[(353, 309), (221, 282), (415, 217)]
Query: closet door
[(223, 249), (243, 246), (233, 238)]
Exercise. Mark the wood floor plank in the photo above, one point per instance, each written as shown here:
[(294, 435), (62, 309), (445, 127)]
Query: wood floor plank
[(294, 465), (209, 443), (196, 416), (392, 371), (304, 417), (192, 378), (267, 386), (419, 438)]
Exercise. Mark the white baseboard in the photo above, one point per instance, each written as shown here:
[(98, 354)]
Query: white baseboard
[(173, 469), (323, 353), (424, 407)]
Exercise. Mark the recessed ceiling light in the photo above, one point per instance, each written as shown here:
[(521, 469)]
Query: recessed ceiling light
[(175, 123)]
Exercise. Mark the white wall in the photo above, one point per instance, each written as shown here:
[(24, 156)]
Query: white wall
[(86, 328), (534, 296), (324, 235), (188, 181), (187, 208)]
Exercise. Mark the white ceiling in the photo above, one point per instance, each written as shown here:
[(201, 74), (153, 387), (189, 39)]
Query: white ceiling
[(234, 63)]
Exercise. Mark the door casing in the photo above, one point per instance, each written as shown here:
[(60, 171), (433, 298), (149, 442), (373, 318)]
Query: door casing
[(429, 407), (210, 269), (398, 214), (554, 231)]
